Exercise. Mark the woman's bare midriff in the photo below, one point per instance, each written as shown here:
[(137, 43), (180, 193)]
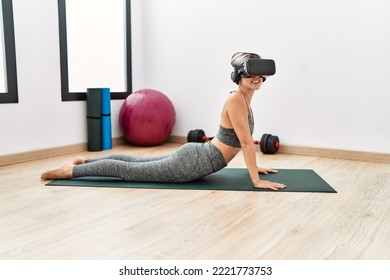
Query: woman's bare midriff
[(228, 152)]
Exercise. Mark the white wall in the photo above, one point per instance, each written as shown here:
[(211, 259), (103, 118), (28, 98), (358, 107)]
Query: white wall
[(330, 89), (40, 120)]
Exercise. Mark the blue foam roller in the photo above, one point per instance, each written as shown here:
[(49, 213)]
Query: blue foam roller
[(106, 118), (106, 133), (105, 101)]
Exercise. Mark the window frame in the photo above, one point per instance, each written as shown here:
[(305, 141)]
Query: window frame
[(76, 96), (11, 94)]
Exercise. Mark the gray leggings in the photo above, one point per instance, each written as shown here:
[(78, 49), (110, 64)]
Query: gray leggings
[(190, 162)]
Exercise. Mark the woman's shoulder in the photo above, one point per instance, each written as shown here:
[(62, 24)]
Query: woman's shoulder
[(234, 99)]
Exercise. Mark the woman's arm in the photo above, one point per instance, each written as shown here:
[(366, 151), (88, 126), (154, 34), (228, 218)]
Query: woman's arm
[(238, 115)]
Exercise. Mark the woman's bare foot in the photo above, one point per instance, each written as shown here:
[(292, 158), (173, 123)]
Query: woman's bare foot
[(78, 160), (62, 172)]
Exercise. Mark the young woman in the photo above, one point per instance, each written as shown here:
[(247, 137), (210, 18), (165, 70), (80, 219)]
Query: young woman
[(192, 160)]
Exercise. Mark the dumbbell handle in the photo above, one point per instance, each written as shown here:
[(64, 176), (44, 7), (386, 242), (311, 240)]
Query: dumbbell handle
[(206, 138), (277, 144)]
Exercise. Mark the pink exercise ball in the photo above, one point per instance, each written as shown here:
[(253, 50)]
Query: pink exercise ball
[(147, 117)]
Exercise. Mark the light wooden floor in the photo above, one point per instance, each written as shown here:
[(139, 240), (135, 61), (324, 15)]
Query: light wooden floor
[(38, 222)]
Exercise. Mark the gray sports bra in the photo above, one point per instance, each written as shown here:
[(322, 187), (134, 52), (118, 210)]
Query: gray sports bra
[(229, 137)]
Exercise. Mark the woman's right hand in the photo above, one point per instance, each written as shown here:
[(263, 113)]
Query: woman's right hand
[(264, 184)]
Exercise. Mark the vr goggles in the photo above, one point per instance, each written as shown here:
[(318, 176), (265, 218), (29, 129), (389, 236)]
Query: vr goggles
[(254, 67)]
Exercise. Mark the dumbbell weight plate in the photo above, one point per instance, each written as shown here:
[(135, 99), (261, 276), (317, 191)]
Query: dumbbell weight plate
[(199, 135), (191, 136), (272, 144), (263, 143)]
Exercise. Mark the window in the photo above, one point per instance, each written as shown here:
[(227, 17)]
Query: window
[(8, 80), (95, 47)]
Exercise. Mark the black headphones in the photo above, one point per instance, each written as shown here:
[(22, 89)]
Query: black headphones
[(236, 74)]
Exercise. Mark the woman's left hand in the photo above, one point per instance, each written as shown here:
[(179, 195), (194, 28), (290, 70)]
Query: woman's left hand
[(266, 170)]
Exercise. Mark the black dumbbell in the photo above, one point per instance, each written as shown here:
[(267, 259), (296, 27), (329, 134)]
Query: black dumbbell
[(269, 144), (197, 135)]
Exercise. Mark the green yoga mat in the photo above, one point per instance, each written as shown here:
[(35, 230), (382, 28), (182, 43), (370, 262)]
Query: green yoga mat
[(228, 179)]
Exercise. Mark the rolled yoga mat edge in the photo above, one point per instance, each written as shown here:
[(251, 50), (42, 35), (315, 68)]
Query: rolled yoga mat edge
[(94, 116), (227, 179)]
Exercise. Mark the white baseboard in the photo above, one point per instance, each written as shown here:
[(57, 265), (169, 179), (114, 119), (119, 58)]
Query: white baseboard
[(285, 149), (52, 152)]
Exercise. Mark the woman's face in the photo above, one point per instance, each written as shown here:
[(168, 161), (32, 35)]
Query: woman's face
[(252, 83)]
